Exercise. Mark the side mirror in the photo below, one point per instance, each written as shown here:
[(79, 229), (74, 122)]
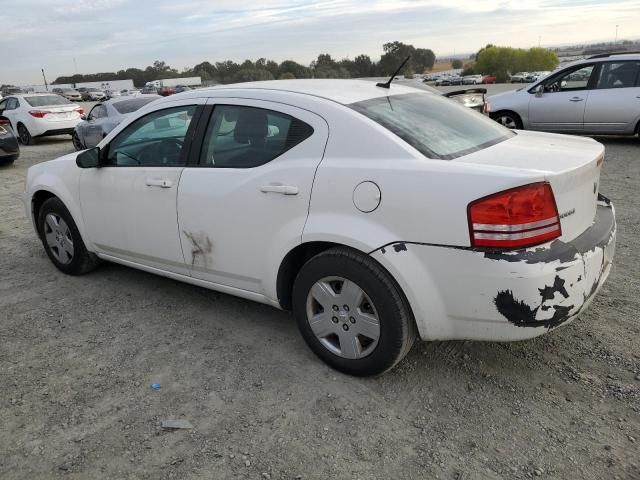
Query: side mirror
[(89, 158), (539, 90), (83, 117)]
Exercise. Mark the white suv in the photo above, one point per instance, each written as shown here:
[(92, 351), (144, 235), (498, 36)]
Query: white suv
[(596, 95)]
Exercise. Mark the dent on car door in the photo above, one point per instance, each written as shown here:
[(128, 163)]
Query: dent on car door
[(129, 204), (560, 105), (244, 206), (614, 103)]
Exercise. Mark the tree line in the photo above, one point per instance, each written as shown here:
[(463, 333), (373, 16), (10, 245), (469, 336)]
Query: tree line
[(325, 66), (502, 61)]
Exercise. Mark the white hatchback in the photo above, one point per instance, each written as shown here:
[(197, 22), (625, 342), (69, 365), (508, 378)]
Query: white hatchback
[(376, 215), (40, 115)]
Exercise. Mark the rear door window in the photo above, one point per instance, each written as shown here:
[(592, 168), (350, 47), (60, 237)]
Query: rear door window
[(619, 75), (246, 137), (435, 126)]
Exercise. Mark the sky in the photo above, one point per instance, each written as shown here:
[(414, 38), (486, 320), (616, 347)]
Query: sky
[(109, 35)]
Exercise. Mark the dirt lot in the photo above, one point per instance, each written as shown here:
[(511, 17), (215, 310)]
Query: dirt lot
[(78, 356)]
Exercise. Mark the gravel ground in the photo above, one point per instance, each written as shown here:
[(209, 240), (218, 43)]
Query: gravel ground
[(78, 356)]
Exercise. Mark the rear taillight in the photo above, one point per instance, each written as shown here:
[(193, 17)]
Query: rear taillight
[(38, 113), (5, 121), (520, 217), (80, 110), (486, 108)]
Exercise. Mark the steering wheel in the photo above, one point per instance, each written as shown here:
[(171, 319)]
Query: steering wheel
[(161, 152)]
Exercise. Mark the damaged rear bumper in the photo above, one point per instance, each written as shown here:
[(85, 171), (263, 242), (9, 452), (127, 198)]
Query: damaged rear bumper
[(462, 293)]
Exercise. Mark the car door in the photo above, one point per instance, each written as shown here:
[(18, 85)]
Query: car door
[(91, 131), (244, 206), (129, 203), (560, 104), (614, 103)]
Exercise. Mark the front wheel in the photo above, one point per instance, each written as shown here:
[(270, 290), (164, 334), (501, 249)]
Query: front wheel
[(62, 241), (77, 143), (508, 119), (351, 313)]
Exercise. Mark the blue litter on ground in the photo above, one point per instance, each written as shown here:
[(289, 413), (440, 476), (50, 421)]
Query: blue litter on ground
[(155, 386)]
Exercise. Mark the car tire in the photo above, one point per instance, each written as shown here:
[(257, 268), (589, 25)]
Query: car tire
[(368, 329), (77, 143), (6, 161), (24, 136), (62, 241), (508, 119)]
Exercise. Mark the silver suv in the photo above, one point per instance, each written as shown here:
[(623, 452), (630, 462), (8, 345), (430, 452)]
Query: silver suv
[(596, 95)]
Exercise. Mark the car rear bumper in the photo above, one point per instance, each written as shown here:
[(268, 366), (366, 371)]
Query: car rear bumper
[(464, 293)]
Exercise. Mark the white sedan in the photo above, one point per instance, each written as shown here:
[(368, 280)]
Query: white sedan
[(377, 215), (40, 115)]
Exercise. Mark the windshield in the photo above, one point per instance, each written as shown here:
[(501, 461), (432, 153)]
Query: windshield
[(435, 126), (46, 100), (128, 106)]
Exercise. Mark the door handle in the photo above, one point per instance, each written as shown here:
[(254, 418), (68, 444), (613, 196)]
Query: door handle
[(281, 189), (576, 99), (158, 182)]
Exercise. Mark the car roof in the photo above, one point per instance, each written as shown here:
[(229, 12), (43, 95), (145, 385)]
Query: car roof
[(599, 59), (340, 91)]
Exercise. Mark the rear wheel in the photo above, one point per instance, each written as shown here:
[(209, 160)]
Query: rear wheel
[(62, 240), (508, 119), (351, 313), (24, 136)]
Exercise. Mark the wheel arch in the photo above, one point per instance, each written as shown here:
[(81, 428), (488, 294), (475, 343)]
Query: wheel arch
[(296, 258)]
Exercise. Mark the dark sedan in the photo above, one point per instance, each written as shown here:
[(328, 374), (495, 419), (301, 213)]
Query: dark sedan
[(9, 148)]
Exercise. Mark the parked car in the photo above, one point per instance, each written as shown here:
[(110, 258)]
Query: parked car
[(10, 90), (455, 80), (70, 94), (92, 95), (9, 148), (597, 95), (40, 115), (486, 79), (310, 195), (166, 91), (109, 94), (470, 97), (130, 92), (520, 77), (472, 79), (104, 117), (443, 81), (149, 90)]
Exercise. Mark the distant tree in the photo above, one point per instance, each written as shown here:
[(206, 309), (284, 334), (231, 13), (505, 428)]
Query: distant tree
[(363, 66), (295, 69), (456, 63), (287, 76), (500, 61), (468, 70), (395, 53)]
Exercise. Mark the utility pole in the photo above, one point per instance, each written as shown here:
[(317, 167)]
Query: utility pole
[(75, 65), (46, 87), (616, 40), (539, 39)]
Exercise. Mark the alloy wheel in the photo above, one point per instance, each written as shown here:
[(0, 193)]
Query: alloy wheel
[(507, 121), (58, 237), (343, 317)]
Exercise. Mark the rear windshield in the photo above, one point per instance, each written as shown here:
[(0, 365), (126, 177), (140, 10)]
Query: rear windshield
[(435, 126), (46, 100), (128, 106)]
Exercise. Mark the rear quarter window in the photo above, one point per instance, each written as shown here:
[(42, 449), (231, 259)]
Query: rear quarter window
[(437, 127)]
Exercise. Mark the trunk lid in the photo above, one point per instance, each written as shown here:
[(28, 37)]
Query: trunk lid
[(570, 164)]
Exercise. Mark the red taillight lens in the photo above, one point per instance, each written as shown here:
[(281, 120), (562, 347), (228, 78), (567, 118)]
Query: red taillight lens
[(520, 217), (38, 113), (4, 121), (80, 110)]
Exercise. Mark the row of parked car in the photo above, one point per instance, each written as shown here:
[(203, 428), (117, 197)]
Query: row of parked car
[(88, 94), (442, 80), (528, 77)]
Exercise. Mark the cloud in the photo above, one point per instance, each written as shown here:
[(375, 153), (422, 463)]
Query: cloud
[(107, 35)]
